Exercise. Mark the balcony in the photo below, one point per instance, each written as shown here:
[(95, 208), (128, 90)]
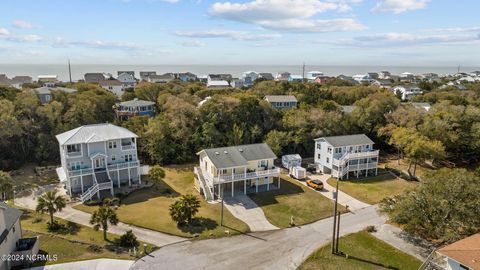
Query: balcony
[(348, 156), (126, 147), (74, 154), (272, 171), (123, 165), (80, 171)]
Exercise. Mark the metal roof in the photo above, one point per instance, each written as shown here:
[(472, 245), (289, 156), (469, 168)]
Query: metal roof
[(238, 156), (281, 98), (11, 214), (94, 133), (347, 140)]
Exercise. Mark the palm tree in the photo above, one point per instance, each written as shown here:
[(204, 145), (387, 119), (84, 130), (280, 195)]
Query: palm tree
[(182, 211), (104, 215), (6, 184), (51, 202)]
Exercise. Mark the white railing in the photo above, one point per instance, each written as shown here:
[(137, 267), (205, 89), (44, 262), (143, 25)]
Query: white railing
[(346, 157), (74, 154), (78, 172), (128, 147), (123, 165), (206, 188), (241, 176), (87, 195)]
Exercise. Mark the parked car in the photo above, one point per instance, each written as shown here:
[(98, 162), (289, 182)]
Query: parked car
[(312, 168), (315, 184)]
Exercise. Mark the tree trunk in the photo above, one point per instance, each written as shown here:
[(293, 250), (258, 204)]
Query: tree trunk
[(51, 218), (409, 166), (105, 232), (415, 169)]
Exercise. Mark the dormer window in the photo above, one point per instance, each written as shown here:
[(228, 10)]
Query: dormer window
[(73, 148)]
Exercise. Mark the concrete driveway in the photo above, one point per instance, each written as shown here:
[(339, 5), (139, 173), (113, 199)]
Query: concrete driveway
[(100, 264), (279, 249), (243, 208), (343, 198)]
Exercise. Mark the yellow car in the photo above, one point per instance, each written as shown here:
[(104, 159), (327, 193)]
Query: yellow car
[(315, 184)]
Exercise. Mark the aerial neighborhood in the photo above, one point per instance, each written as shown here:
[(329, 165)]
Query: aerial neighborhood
[(148, 169)]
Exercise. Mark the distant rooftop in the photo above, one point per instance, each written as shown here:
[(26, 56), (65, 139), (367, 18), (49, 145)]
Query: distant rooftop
[(281, 98), (136, 103)]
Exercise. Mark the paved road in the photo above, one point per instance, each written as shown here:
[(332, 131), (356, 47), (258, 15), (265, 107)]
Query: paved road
[(68, 213), (343, 198), (100, 264), (279, 249), (243, 208)]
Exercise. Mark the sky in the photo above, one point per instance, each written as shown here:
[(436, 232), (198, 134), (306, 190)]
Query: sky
[(260, 32)]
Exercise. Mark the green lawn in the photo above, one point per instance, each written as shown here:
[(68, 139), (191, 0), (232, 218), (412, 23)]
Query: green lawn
[(365, 253), (293, 199), (148, 208), (74, 242), (373, 189)]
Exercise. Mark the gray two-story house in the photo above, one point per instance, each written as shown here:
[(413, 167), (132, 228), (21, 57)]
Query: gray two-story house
[(98, 157), (341, 156)]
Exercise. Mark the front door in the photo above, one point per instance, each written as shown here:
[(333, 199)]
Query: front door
[(99, 163)]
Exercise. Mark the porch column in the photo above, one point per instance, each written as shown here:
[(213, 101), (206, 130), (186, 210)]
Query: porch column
[(244, 187), (256, 185), (233, 184), (81, 182), (279, 180), (139, 178), (129, 180), (376, 170), (118, 177), (111, 191), (366, 170), (268, 183)]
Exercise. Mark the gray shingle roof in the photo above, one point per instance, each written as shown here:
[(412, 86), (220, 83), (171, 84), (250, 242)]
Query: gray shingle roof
[(348, 108), (94, 133), (136, 103), (47, 90), (346, 140), (237, 156), (11, 214), (281, 98)]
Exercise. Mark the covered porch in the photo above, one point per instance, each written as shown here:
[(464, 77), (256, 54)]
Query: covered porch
[(248, 186)]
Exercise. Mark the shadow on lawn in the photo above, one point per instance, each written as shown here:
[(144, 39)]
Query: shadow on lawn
[(268, 197), (350, 257), (161, 189), (198, 225)]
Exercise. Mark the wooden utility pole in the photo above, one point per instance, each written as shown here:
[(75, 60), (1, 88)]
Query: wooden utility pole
[(69, 70), (221, 218), (338, 232), (335, 220)]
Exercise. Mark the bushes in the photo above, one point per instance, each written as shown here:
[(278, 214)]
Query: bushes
[(128, 240)]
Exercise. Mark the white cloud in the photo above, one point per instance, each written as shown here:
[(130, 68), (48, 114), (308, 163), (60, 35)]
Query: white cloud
[(232, 34), (26, 38), (399, 6), (4, 32), (193, 43), (288, 15), (97, 44), (403, 40), (22, 24), (454, 29)]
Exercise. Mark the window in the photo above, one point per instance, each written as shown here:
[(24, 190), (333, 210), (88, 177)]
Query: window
[(224, 171), (262, 163), (367, 146), (112, 144), (329, 150), (319, 146), (113, 157), (73, 148), (318, 156), (48, 98), (328, 160), (338, 150), (128, 158)]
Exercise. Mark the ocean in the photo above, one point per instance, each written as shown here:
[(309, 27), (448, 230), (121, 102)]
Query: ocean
[(79, 70)]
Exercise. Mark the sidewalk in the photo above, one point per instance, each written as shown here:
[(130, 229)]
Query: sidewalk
[(343, 198), (68, 213), (99, 264), (243, 208)]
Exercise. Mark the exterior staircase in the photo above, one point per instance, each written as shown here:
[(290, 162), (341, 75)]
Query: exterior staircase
[(207, 192), (101, 181)]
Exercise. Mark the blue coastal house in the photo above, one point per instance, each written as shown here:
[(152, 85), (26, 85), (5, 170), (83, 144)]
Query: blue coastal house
[(295, 78), (125, 110)]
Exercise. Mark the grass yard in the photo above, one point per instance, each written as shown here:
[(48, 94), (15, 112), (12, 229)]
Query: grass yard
[(148, 208), (373, 189), (392, 161), (293, 199), (365, 253), (74, 242), (25, 177)]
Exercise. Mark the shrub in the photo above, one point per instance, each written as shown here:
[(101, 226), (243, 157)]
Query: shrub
[(128, 239), (370, 229)]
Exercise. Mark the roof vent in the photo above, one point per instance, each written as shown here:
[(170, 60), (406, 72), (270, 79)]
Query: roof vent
[(216, 153), (225, 152)]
